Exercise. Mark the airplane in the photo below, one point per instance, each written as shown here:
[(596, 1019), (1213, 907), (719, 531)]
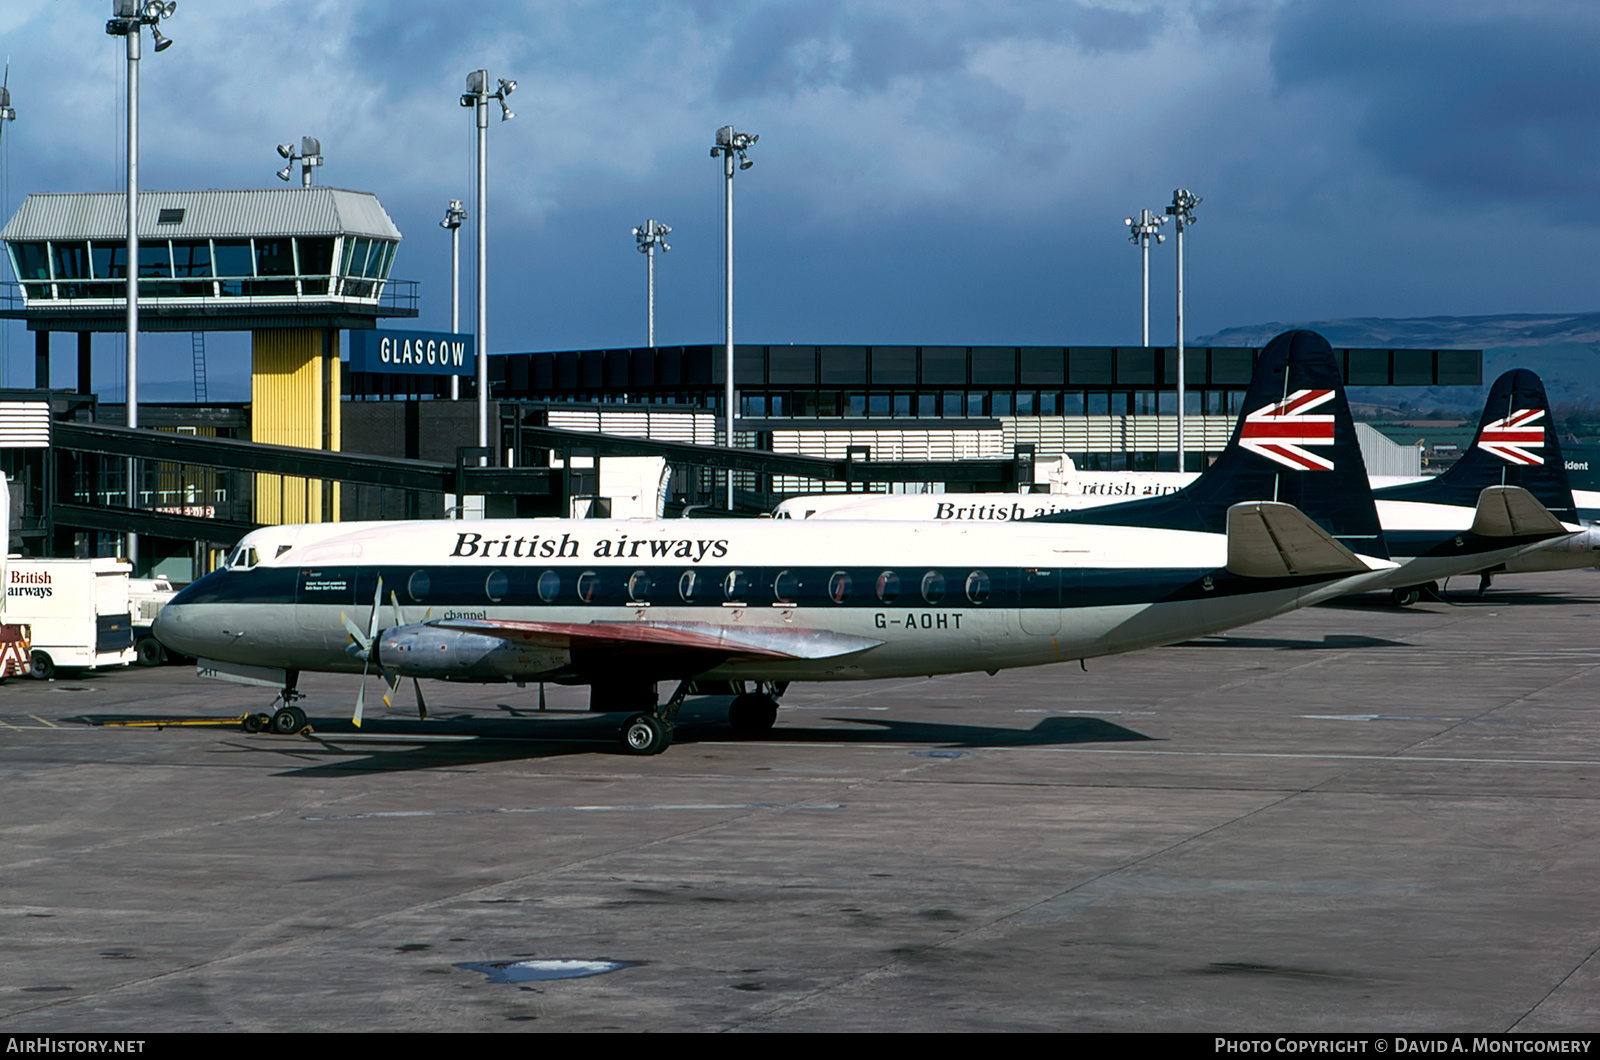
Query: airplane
[(1516, 444), (1428, 523), (623, 605)]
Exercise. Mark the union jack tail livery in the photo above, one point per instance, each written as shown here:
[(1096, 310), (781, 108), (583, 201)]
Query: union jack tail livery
[(1295, 442), (1516, 445), (1281, 431), (1515, 438)]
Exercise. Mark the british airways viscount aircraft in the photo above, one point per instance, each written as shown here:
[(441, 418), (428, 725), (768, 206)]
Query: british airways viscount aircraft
[(623, 605), (1436, 528)]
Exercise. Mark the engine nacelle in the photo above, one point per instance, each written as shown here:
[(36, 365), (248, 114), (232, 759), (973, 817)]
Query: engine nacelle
[(1569, 553), (424, 650)]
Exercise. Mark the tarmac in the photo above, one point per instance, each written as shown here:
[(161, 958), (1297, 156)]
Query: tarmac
[(1348, 819)]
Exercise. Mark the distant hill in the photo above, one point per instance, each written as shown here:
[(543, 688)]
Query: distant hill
[(1564, 348)]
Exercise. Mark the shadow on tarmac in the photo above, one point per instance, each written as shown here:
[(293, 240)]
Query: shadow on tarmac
[(335, 747), (1330, 642)]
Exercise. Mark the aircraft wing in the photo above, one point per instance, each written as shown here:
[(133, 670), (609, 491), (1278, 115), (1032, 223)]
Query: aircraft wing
[(1511, 511), (1270, 539), (690, 638)]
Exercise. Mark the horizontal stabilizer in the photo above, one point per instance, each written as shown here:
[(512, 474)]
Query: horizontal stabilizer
[(762, 641), (1511, 511), (1269, 539)]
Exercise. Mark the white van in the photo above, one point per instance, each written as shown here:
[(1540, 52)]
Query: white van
[(16, 639), (78, 608)]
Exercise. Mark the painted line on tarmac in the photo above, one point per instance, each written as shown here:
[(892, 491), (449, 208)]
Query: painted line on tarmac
[(574, 809), (824, 745), (1336, 757)]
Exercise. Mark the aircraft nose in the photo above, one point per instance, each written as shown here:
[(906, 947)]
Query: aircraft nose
[(174, 627)]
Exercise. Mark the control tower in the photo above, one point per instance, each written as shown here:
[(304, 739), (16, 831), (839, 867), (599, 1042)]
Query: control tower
[(292, 266)]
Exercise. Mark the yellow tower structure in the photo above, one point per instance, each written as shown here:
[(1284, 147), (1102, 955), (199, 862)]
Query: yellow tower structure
[(294, 399)]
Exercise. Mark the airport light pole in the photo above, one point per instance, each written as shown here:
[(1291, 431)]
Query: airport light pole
[(309, 156), (477, 96), (650, 235), (129, 17), (729, 144), (1181, 210), (7, 112), (1141, 230), (454, 214)]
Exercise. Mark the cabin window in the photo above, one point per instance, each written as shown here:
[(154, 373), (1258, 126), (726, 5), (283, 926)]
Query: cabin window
[(736, 587), (933, 587), (839, 586), (549, 586), (588, 581), (978, 587), (785, 587), (888, 587), (639, 587), (418, 586), (690, 586), (496, 586)]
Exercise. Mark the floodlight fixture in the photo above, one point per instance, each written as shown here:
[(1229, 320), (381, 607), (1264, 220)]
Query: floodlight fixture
[(729, 143), (651, 234), (128, 19), (454, 215), (1142, 229), (477, 96), (1181, 210), (6, 111), (309, 156)]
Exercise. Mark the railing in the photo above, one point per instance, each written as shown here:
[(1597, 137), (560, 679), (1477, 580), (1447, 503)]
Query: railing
[(398, 295)]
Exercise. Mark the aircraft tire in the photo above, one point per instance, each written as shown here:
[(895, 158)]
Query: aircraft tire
[(288, 721), (1407, 596), (646, 734), (150, 652), (752, 714)]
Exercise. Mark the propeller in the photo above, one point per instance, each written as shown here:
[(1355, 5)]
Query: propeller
[(394, 679), (364, 646)]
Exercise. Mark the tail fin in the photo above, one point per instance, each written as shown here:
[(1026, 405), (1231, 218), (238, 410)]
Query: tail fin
[(1516, 445), (1294, 443)]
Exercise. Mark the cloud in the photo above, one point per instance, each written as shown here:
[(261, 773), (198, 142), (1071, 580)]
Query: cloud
[(1494, 100)]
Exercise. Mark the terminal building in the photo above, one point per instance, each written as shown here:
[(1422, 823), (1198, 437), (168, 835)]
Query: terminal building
[(308, 272)]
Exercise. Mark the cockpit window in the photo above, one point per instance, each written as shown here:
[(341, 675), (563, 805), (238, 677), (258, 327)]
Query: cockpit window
[(242, 559)]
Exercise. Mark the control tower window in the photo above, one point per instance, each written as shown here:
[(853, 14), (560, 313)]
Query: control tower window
[(70, 262), (233, 258), (316, 255), (275, 257), (30, 263)]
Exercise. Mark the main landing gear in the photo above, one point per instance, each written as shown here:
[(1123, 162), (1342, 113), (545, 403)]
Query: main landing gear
[(650, 732), (1412, 594), (750, 714)]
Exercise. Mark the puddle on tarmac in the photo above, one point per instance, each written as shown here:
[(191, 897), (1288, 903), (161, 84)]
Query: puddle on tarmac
[(543, 970)]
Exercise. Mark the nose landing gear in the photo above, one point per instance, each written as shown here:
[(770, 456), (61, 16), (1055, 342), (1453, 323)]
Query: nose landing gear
[(288, 719)]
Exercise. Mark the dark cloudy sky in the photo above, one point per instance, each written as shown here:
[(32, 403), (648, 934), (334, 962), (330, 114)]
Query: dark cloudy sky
[(928, 172)]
